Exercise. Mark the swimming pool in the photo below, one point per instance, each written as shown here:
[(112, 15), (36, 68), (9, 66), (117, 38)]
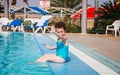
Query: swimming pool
[(18, 49)]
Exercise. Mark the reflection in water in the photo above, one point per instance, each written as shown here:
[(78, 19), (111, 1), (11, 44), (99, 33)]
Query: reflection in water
[(4, 58), (9, 43)]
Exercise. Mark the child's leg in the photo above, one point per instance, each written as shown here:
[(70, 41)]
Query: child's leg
[(45, 57), (50, 57), (57, 59)]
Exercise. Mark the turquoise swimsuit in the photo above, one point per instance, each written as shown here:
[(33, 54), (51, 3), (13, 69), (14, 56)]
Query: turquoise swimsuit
[(62, 50)]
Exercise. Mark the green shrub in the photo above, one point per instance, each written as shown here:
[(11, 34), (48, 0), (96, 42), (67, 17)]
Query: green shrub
[(27, 22), (73, 29)]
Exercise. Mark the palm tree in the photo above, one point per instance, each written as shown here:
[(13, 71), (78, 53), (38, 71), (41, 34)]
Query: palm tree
[(7, 6), (110, 10), (109, 13)]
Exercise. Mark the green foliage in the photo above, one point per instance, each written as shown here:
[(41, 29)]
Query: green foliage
[(110, 12), (27, 22), (65, 3), (73, 29), (70, 24), (12, 16)]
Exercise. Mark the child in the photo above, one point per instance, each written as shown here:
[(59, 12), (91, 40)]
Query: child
[(61, 48)]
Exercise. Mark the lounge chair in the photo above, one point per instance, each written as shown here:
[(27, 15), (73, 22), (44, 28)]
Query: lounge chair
[(42, 24), (115, 26), (3, 23), (15, 25)]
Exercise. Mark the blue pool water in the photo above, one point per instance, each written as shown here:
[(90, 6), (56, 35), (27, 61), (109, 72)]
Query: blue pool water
[(17, 51)]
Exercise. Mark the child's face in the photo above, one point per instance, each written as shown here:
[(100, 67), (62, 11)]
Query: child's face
[(60, 31)]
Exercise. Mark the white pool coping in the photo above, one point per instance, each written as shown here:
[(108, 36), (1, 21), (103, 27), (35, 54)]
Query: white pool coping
[(96, 65)]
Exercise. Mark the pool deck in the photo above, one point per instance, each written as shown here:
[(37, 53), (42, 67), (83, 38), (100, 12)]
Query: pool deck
[(105, 45), (104, 49), (85, 46)]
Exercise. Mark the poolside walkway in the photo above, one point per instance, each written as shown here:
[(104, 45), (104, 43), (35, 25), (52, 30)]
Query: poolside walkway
[(106, 45)]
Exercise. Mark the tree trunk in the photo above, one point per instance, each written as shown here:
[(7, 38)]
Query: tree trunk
[(6, 8), (96, 8), (84, 17)]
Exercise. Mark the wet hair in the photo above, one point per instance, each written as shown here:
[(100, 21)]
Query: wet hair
[(60, 25)]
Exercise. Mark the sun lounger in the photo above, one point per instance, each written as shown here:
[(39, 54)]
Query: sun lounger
[(42, 24), (15, 24), (3, 23)]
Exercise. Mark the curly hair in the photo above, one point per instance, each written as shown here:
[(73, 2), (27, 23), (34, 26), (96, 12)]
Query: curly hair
[(60, 25)]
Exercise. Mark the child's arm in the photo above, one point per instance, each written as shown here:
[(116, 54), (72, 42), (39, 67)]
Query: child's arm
[(51, 48), (61, 37), (64, 38)]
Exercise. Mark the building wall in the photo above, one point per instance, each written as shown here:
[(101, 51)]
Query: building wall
[(2, 2), (44, 4)]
